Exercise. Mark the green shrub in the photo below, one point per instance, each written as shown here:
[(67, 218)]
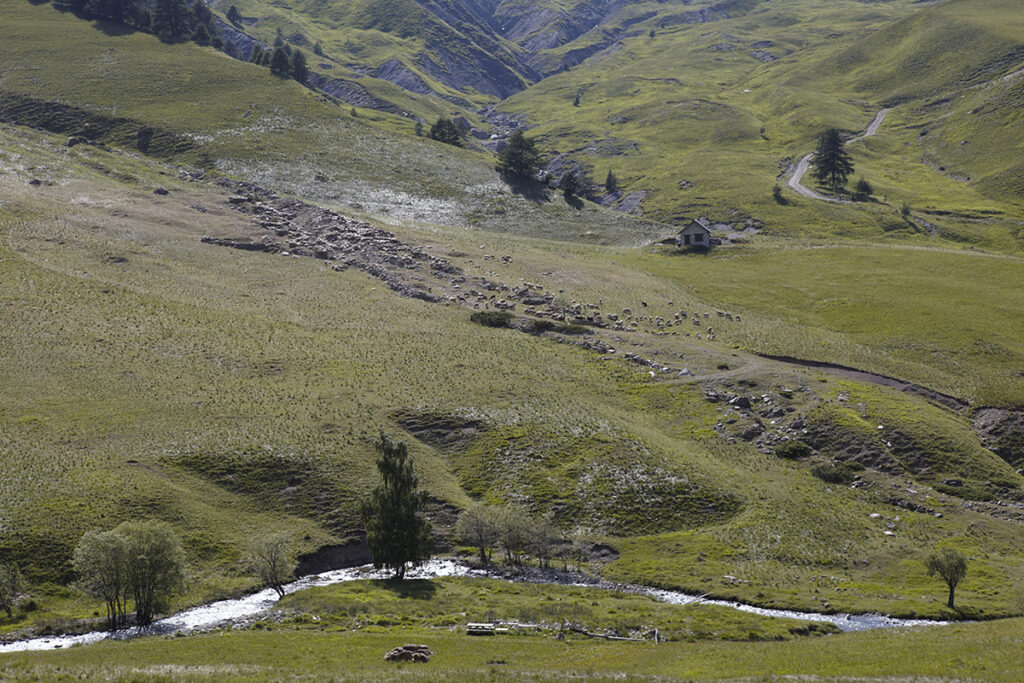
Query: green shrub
[(540, 326), (834, 473), (792, 450), (492, 318)]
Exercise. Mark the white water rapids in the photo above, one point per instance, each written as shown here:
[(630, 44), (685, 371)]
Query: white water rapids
[(224, 611)]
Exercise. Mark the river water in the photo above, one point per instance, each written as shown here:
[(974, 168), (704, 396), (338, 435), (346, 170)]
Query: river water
[(225, 611)]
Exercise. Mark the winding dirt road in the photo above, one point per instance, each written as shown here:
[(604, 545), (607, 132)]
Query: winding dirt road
[(804, 164)]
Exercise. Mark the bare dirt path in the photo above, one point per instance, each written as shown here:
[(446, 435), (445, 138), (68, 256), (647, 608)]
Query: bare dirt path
[(804, 164)]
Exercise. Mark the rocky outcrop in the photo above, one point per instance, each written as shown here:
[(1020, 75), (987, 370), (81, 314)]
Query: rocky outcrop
[(240, 40), (398, 73), (409, 653), (1002, 432), (352, 93)]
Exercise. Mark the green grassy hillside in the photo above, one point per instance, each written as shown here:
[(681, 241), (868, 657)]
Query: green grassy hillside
[(707, 128)]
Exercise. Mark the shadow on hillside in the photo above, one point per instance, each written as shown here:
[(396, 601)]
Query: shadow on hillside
[(114, 30), (530, 190), (416, 589)]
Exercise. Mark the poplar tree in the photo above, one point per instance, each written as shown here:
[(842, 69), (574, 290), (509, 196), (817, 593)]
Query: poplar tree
[(396, 530)]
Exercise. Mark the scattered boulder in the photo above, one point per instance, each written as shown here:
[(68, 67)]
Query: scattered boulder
[(35, 182), (77, 140), (161, 191), (409, 653)]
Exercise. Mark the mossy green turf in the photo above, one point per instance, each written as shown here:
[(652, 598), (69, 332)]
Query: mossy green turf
[(982, 651)]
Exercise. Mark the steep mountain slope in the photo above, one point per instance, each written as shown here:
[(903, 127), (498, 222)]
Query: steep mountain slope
[(718, 116)]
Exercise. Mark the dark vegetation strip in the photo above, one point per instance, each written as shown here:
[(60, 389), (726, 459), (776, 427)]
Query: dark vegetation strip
[(58, 117), (895, 383)]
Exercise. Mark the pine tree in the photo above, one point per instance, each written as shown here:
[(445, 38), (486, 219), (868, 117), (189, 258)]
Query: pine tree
[(172, 20), (278, 38), (611, 183), (202, 35), (233, 15), (445, 131), (520, 158), (570, 184), (114, 10), (256, 55), (300, 71), (396, 530), (863, 190), (280, 64), (318, 49), (832, 164)]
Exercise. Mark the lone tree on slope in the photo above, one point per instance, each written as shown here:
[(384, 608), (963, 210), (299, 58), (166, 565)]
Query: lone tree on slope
[(570, 185), (396, 530), (520, 158), (611, 183), (951, 566), (832, 164)]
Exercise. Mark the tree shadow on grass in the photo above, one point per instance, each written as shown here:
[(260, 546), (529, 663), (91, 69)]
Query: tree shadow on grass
[(113, 29), (575, 202), (416, 589), (528, 189)]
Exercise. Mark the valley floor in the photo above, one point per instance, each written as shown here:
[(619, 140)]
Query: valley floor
[(988, 651)]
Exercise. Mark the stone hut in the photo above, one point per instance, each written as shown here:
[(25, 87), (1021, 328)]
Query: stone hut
[(695, 234)]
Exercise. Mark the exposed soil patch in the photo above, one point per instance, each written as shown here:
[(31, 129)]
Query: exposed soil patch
[(441, 431), (84, 125), (849, 446), (1002, 432), (328, 557)]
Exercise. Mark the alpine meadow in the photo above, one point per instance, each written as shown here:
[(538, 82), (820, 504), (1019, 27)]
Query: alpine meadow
[(543, 340)]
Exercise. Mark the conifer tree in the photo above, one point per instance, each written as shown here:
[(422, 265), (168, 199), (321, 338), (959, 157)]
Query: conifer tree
[(113, 10), (202, 35), (570, 184), (280, 63), (520, 158), (396, 530), (445, 131), (611, 183), (172, 20), (233, 15), (300, 71), (832, 164)]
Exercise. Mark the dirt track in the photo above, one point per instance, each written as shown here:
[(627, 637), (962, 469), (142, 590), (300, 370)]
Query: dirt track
[(804, 164)]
